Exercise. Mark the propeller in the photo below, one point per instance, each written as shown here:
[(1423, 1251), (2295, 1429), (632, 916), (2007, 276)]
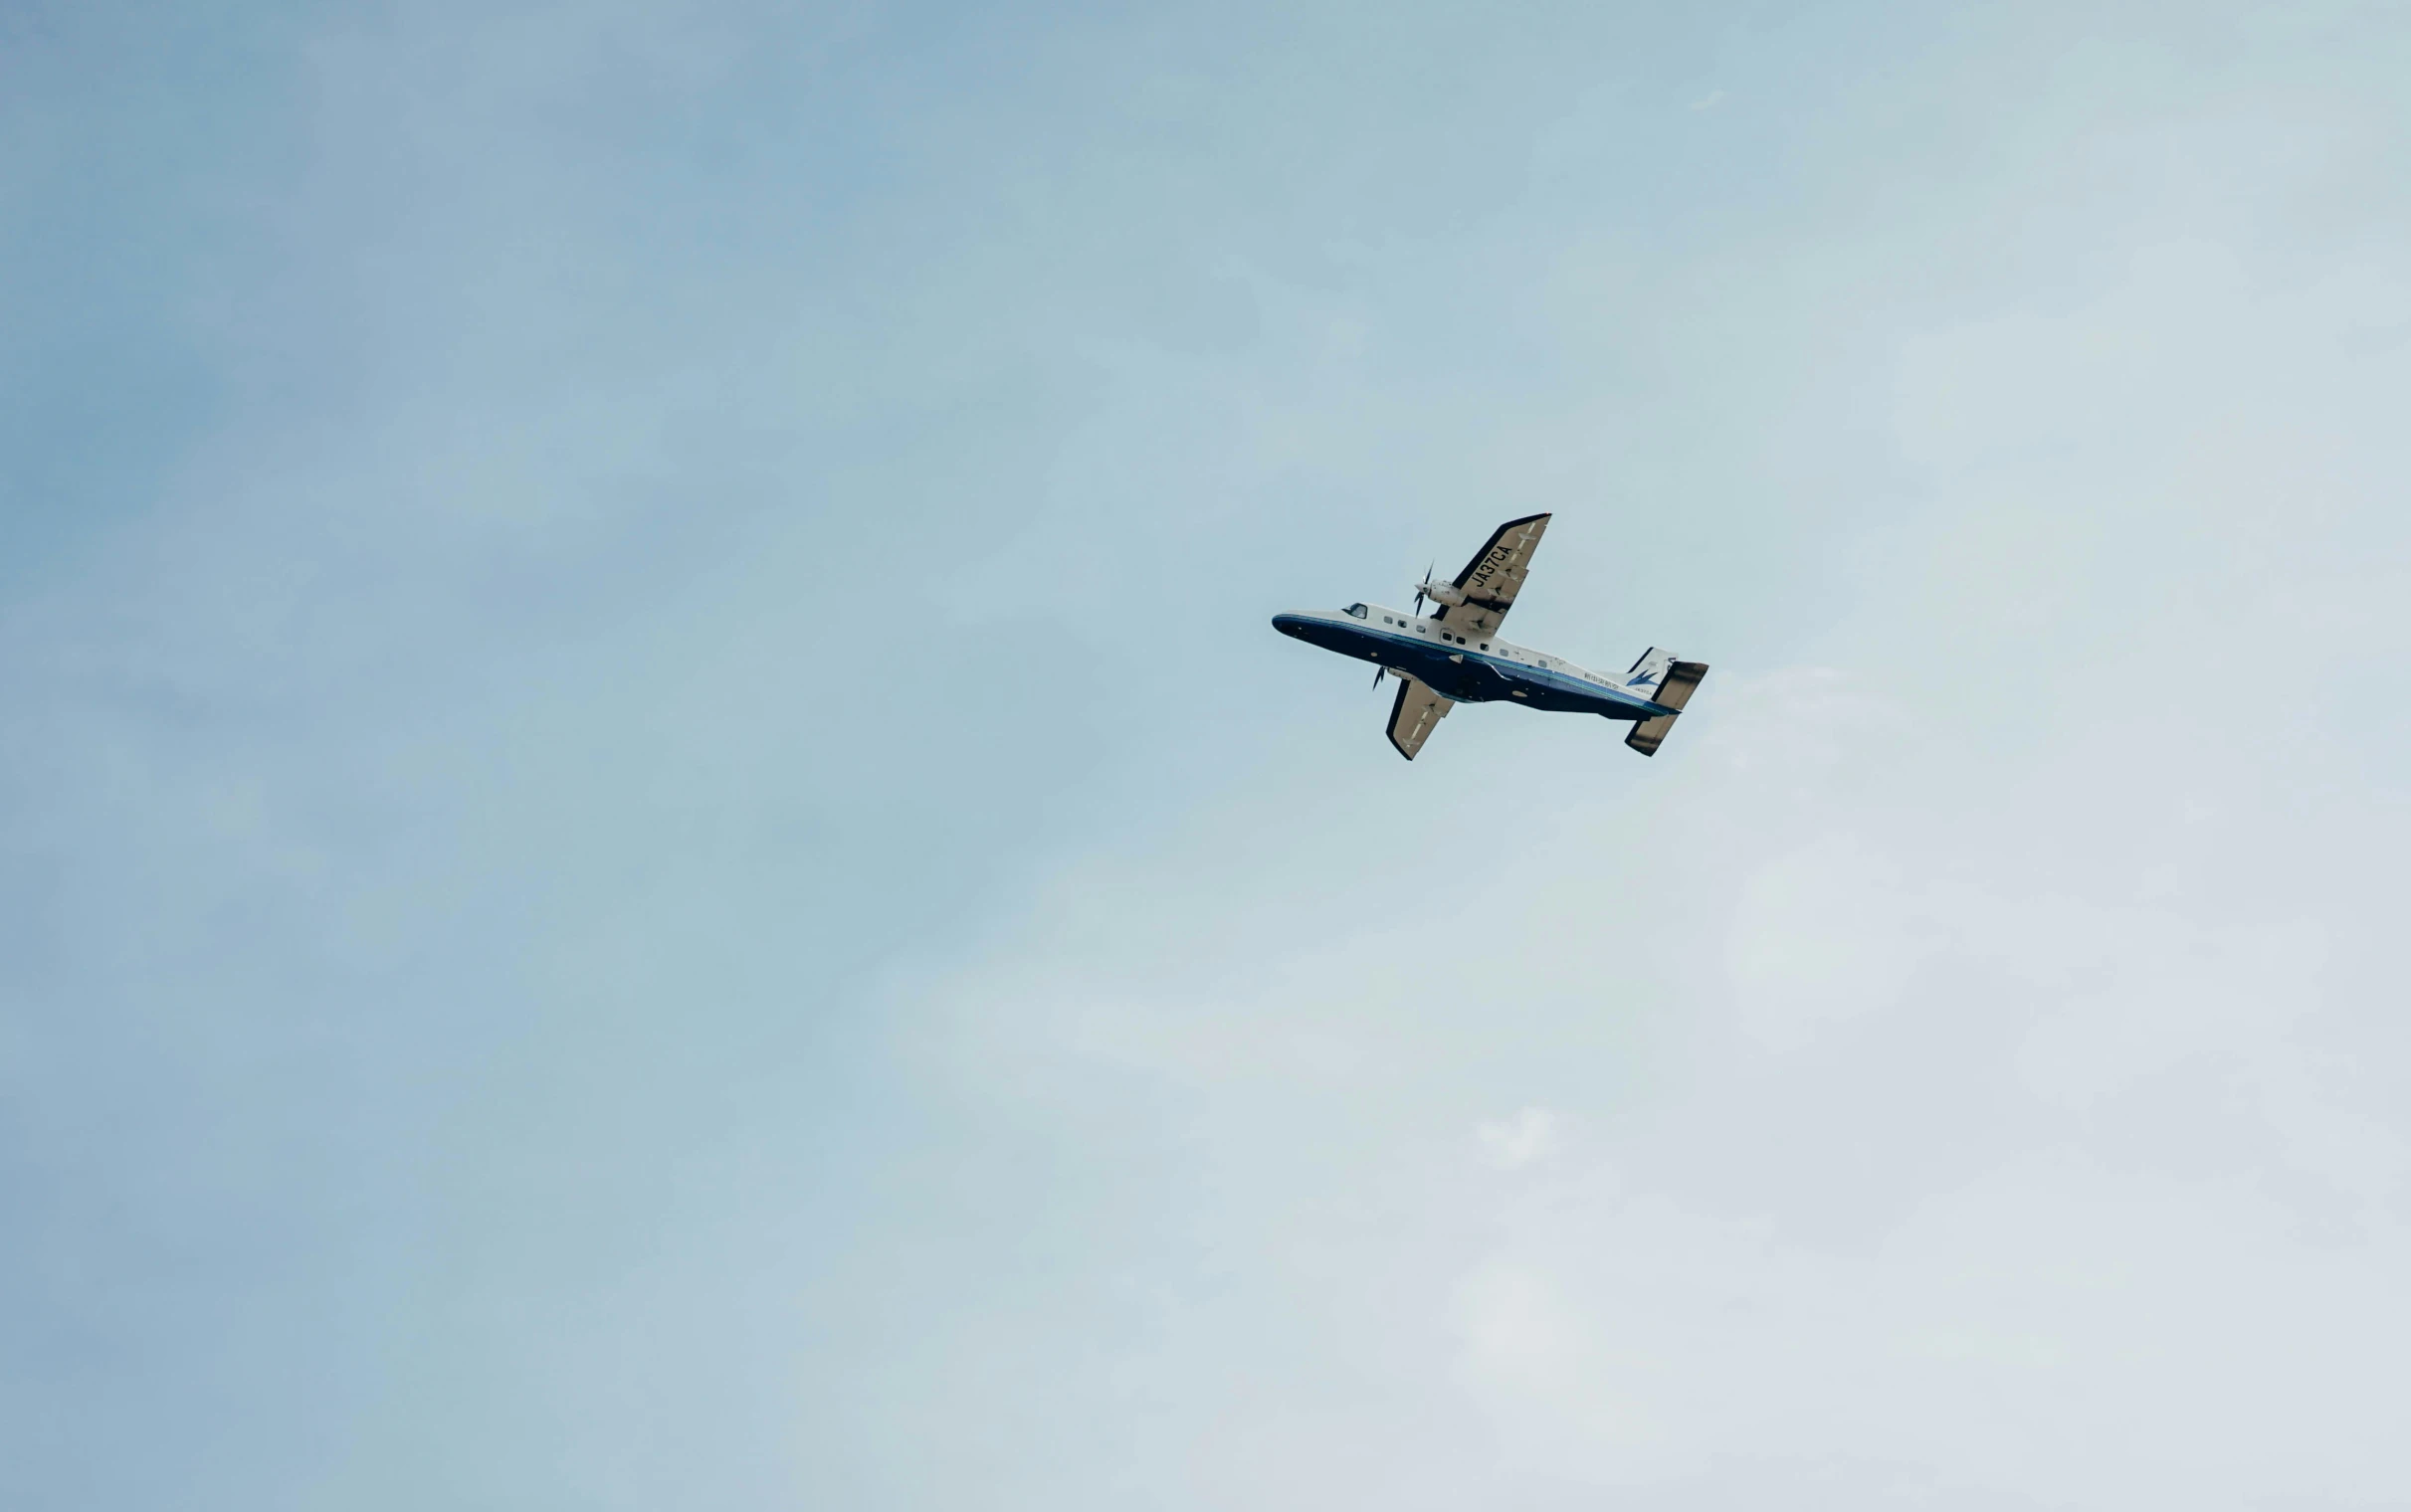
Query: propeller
[(1427, 577), (1379, 673)]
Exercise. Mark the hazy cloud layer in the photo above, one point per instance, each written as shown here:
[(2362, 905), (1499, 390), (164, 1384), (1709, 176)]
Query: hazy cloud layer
[(653, 851)]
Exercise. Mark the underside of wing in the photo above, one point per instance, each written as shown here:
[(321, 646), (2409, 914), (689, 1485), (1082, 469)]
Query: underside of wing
[(1490, 581), (1414, 715)]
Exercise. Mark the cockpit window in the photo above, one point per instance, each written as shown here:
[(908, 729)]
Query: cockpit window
[(1356, 610)]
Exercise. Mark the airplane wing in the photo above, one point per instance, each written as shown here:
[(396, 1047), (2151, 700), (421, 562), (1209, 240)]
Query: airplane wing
[(1491, 580), (1413, 716)]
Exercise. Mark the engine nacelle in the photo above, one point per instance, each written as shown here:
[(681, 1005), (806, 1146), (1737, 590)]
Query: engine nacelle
[(1444, 593)]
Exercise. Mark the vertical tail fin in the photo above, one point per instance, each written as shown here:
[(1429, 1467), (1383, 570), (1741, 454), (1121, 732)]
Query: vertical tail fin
[(1672, 688), (1644, 676)]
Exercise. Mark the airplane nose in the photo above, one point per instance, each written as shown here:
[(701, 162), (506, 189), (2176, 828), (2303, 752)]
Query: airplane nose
[(1287, 624)]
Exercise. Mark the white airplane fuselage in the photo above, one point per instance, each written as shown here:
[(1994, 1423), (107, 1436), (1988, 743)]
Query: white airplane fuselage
[(1469, 667)]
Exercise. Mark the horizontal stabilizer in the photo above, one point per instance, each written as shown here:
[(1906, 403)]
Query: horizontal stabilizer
[(1673, 693)]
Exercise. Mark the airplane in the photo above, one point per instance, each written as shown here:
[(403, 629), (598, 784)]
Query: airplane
[(1455, 657)]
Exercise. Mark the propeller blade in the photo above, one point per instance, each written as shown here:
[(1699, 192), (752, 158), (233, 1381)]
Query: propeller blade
[(1427, 577), (1379, 673)]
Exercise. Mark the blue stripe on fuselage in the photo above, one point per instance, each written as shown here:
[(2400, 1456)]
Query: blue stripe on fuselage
[(1462, 673)]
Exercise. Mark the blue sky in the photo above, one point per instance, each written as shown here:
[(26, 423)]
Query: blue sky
[(653, 851)]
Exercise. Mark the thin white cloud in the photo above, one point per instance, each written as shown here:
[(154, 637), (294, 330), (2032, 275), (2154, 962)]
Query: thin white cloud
[(1511, 1144)]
